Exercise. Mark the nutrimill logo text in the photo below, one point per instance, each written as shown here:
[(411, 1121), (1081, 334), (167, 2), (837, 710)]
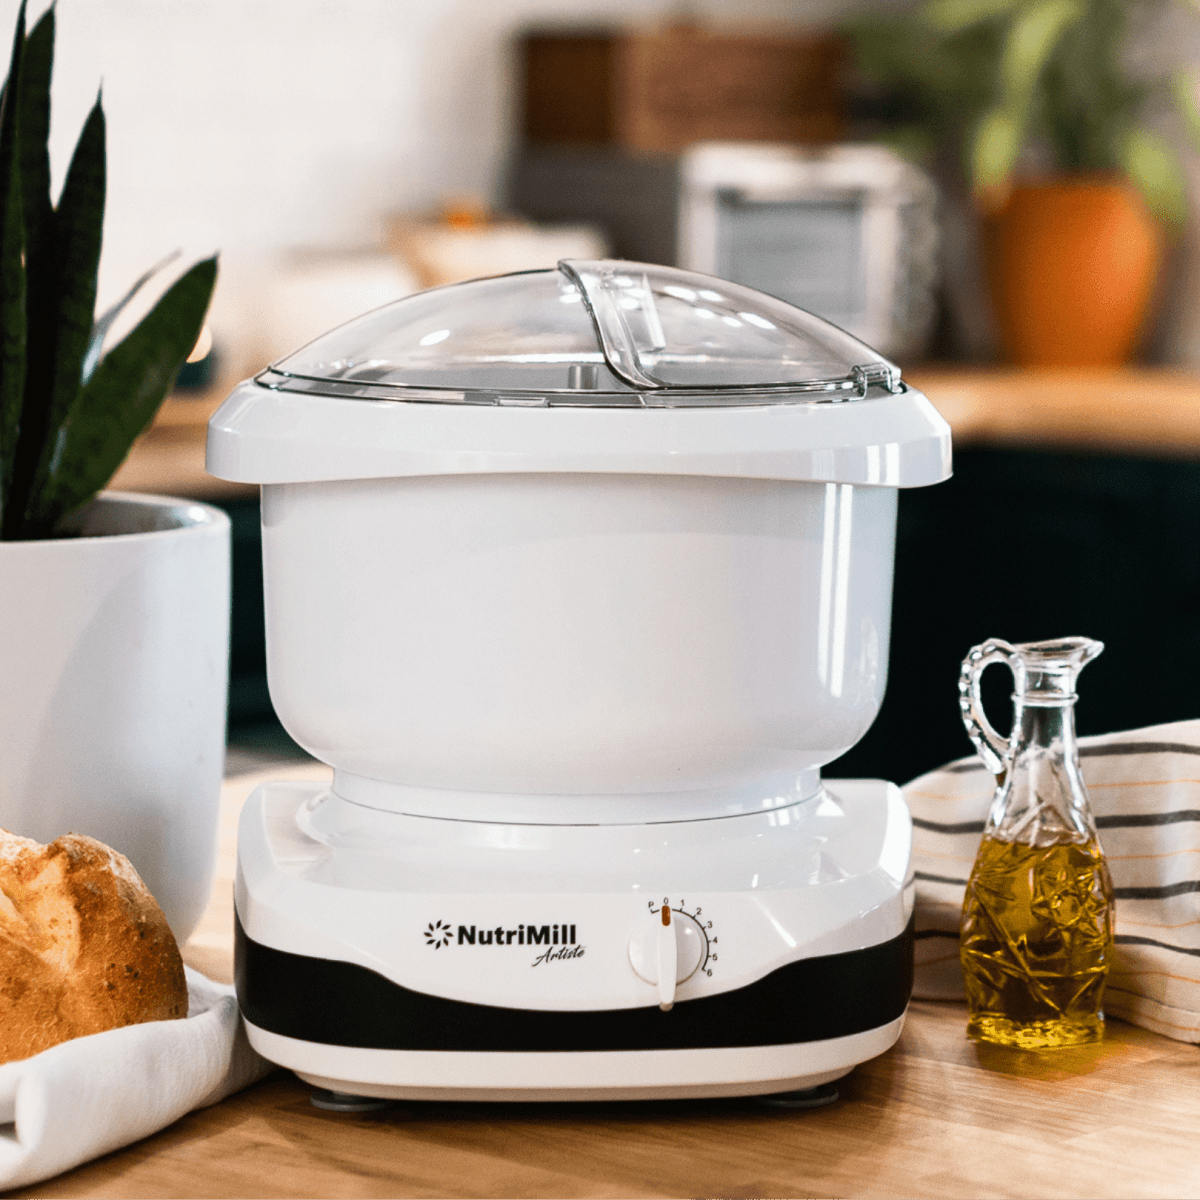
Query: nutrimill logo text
[(560, 940)]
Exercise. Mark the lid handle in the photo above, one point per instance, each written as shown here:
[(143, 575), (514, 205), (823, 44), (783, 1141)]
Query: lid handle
[(621, 305)]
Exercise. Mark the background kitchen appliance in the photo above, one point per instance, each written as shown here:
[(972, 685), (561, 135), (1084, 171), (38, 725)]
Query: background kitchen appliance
[(848, 231), (577, 577)]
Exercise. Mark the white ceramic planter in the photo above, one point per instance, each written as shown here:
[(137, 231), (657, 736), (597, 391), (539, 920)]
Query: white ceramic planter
[(114, 651)]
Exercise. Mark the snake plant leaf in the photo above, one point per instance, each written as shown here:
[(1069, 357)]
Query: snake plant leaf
[(78, 225), (12, 275), (1035, 32), (33, 157), (952, 16), (121, 398), (33, 121), (104, 323), (1184, 86), (1154, 168)]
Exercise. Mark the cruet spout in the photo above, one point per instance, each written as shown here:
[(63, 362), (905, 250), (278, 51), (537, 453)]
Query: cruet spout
[(1051, 668)]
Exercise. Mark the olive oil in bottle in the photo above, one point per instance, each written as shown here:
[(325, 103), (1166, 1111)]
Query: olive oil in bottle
[(1037, 926), (1037, 943)]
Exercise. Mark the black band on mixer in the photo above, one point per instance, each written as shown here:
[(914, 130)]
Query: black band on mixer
[(343, 1004)]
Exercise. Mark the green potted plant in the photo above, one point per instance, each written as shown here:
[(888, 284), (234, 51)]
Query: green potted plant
[(113, 608), (1040, 105)]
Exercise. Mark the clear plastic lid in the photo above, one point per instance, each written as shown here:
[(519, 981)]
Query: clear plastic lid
[(589, 333)]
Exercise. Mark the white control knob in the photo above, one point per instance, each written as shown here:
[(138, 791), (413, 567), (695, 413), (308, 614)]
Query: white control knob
[(666, 950)]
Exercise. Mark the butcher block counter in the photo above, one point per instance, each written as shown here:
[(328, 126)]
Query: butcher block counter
[(936, 1116)]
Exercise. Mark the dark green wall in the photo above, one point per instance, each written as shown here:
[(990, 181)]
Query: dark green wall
[(1026, 545)]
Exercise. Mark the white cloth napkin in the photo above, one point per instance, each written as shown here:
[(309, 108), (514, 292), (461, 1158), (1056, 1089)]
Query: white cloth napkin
[(1144, 788), (85, 1097)]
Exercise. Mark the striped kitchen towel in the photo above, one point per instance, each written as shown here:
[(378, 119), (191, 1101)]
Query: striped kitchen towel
[(1144, 787)]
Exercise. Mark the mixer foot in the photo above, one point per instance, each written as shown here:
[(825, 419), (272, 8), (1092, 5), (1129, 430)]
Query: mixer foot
[(343, 1102), (815, 1097)]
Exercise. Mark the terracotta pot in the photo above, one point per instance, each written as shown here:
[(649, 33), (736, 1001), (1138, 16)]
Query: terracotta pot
[(1071, 266)]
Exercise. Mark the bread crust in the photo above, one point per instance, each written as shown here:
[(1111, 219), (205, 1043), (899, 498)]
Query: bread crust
[(84, 946)]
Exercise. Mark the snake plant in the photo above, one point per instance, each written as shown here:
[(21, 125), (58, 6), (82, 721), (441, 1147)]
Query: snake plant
[(997, 79), (70, 408)]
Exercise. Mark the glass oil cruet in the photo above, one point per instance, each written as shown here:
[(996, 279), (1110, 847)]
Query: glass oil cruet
[(1037, 925)]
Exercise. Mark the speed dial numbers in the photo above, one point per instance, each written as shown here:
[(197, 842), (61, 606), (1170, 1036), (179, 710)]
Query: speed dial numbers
[(668, 947)]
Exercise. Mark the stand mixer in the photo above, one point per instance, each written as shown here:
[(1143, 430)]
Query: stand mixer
[(576, 578)]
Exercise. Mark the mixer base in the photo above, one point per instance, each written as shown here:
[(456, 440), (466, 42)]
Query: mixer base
[(588, 1075), (388, 955)]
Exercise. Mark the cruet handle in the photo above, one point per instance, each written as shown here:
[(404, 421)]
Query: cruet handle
[(996, 751)]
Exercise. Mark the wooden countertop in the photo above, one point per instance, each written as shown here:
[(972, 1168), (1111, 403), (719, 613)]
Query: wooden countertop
[(1153, 411), (936, 1116)]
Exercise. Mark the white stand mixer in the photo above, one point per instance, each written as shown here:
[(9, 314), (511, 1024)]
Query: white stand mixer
[(576, 577)]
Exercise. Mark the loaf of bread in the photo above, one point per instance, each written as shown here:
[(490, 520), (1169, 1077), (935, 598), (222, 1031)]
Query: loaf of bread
[(84, 946)]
